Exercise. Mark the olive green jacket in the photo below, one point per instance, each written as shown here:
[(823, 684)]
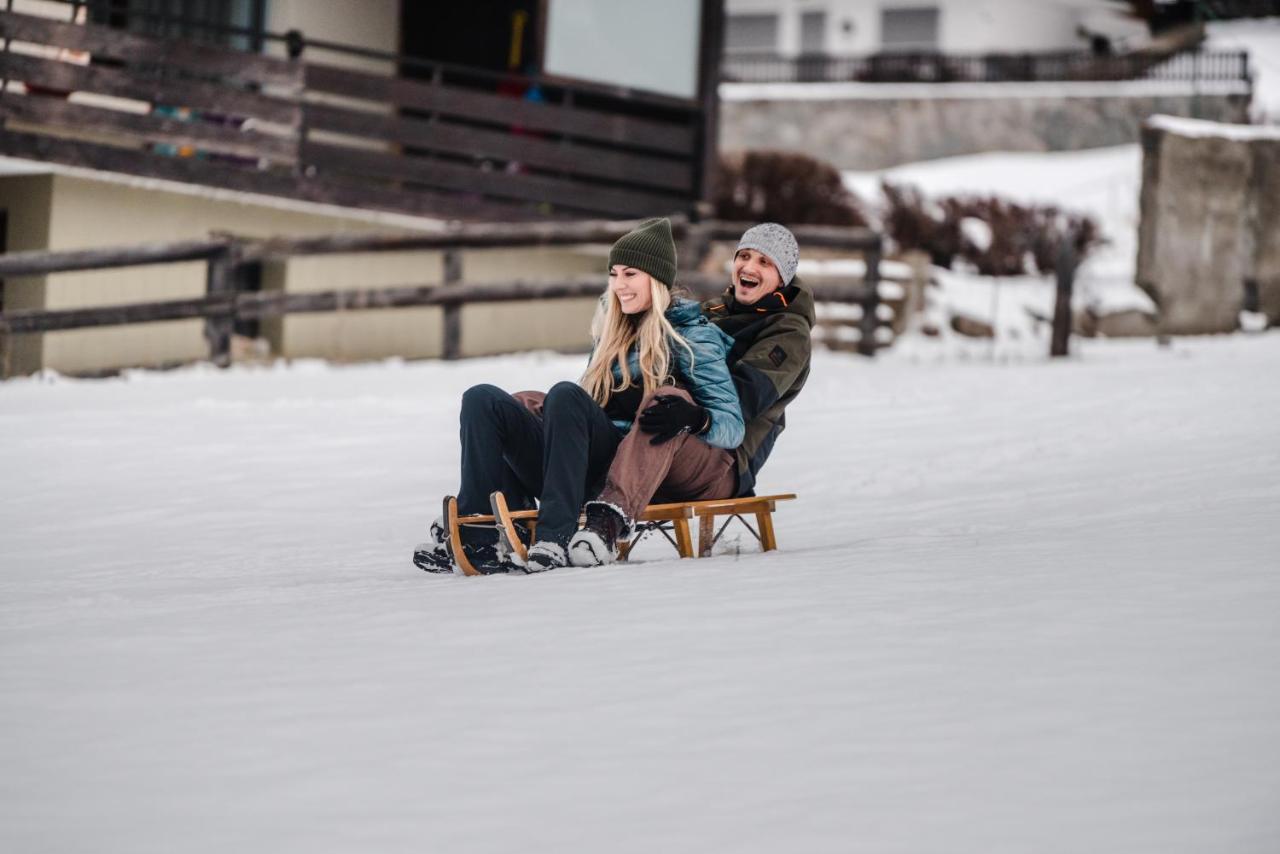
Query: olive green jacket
[(769, 362)]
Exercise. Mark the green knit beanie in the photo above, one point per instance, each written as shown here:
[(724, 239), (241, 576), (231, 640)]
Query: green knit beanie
[(650, 248)]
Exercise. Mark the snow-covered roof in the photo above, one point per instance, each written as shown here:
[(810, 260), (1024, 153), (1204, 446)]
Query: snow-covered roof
[(1202, 128)]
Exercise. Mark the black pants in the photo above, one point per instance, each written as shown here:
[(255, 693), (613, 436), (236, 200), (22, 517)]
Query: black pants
[(559, 459)]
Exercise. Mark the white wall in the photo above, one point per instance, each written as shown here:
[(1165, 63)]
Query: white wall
[(651, 45), (71, 212), (360, 23)]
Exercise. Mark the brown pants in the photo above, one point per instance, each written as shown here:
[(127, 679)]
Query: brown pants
[(682, 469)]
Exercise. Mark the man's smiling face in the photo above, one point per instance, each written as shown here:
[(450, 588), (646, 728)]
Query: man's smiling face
[(754, 277)]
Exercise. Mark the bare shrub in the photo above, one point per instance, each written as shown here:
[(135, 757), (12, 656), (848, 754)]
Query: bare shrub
[(783, 186), (1017, 240)]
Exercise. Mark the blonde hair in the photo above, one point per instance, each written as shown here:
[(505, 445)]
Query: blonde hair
[(615, 333)]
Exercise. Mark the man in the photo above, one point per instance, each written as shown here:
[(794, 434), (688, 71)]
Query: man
[(769, 314)]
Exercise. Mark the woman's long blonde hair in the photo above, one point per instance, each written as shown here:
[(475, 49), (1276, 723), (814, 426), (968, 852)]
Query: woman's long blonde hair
[(615, 332)]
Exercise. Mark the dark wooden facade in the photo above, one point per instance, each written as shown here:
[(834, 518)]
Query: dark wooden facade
[(455, 142)]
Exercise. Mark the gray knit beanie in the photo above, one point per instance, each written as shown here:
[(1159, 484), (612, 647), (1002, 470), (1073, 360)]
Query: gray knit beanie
[(650, 248), (777, 244)]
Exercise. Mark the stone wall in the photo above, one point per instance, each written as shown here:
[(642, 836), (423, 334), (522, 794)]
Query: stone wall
[(1209, 237), (857, 126)]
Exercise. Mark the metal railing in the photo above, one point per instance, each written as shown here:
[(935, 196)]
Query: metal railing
[(1190, 66)]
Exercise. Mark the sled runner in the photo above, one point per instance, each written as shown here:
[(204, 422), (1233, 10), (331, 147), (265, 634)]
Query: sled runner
[(508, 536), (673, 521), (453, 527)]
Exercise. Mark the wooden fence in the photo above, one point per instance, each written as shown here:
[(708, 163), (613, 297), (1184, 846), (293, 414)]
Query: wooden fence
[(457, 142), (226, 257)]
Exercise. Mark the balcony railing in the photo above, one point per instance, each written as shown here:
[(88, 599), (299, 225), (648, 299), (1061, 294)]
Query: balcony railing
[(417, 137), (1190, 66)]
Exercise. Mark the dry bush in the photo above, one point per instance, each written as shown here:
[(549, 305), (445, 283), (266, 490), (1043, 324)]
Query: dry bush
[(1023, 238), (783, 186)]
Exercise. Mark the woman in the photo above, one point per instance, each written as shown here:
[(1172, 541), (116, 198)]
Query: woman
[(654, 355)]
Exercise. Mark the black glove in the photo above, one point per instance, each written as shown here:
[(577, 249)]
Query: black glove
[(669, 416)]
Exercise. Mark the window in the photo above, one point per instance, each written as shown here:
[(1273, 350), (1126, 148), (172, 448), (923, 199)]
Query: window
[(196, 20), (751, 32), (913, 30), (813, 32)]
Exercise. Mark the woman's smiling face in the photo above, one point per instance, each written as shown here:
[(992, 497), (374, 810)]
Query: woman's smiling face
[(754, 276), (632, 287)]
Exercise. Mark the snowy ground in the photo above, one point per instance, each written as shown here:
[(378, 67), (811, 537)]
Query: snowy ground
[(1020, 607)]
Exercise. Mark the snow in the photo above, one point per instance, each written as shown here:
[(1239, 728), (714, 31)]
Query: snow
[(1019, 606), (1220, 130), (1261, 38), (1102, 182), (977, 231), (930, 91)]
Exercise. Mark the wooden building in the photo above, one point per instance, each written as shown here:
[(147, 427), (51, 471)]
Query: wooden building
[(127, 121), (499, 108)]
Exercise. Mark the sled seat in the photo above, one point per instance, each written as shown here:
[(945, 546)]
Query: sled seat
[(673, 522)]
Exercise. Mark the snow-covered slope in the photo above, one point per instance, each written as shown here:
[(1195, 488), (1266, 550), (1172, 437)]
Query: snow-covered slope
[(1023, 607)]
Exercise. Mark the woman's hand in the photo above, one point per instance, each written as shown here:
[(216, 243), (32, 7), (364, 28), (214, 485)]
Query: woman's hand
[(669, 416)]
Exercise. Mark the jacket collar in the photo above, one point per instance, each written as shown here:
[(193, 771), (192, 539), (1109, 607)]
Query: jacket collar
[(795, 298)]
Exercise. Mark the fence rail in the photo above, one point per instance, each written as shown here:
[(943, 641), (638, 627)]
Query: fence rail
[(1190, 66), (226, 256)]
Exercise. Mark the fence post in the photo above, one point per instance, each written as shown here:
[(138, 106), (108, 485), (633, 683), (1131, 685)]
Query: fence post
[(870, 300), (1066, 275), (452, 345), (220, 286)]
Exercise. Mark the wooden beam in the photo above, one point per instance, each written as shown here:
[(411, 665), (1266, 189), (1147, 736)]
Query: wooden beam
[(26, 322), (150, 127), (209, 97), (684, 539), (461, 235), (443, 175), (269, 182), (42, 263), (504, 111), (452, 321), (825, 236), (1065, 274), (220, 287), (870, 303), (452, 138), (709, 63), (110, 42), (259, 304)]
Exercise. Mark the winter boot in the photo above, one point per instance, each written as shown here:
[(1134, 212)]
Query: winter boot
[(433, 555), (597, 543), (544, 555)]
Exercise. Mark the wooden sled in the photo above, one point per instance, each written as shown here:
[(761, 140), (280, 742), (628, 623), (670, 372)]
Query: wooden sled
[(670, 520)]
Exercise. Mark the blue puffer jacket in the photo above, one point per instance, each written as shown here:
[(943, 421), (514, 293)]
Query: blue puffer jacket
[(707, 378)]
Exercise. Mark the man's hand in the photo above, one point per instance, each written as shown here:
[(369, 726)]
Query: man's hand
[(669, 416)]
